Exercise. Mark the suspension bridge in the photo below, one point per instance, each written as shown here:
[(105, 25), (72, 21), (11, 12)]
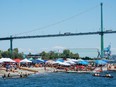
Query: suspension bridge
[(101, 33)]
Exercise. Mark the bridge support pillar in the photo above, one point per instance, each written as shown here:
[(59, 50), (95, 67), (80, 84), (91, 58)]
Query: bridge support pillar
[(11, 47)]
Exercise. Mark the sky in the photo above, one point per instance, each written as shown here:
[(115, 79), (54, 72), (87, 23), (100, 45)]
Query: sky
[(43, 17)]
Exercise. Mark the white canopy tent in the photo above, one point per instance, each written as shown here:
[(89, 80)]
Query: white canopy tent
[(80, 60), (25, 60), (64, 63), (6, 60), (70, 62), (1, 61)]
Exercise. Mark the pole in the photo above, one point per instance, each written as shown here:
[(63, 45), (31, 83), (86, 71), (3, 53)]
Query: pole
[(11, 46), (102, 35)]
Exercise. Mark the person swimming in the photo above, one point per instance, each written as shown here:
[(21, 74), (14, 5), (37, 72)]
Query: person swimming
[(4, 76)]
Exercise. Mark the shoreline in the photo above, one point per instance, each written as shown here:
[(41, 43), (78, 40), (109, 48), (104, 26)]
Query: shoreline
[(38, 70)]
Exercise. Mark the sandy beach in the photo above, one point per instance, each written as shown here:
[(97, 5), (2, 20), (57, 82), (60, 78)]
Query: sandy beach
[(26, 70)]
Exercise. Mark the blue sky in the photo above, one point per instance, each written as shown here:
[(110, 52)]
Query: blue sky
[(38, 17)]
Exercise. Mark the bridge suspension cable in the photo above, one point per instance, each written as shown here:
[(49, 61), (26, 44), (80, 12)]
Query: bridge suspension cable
[(58, 22)]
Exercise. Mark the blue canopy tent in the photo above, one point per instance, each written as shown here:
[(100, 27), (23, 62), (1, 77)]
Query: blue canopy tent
[(38, 61), (106, 61), (100, 62), (34, 61), (83, 62), (59, 60)]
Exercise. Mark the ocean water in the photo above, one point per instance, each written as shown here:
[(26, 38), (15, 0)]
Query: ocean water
[(60, 80)]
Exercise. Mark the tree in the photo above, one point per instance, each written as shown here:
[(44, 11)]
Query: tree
[(0, 53), (76, 56), (53, 55), (6, 54), (87, 58), (44, 55), (50, 55), (16, 50), (15, 54), (66, 53)]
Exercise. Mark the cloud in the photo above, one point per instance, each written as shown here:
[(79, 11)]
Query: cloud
[(59, 47)]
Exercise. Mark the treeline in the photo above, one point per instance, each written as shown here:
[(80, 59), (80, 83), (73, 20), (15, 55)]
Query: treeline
[(54, 55), (15, 54), (45, 55)]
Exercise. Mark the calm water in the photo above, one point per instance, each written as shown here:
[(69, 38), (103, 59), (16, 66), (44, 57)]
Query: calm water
[(60, 80)]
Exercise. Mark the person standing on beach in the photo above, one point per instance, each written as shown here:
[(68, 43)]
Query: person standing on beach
[(44, 67), (7, 67), (21, 75), (8, 74)]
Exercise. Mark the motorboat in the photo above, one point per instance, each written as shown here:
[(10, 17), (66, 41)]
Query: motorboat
[(98, 75)]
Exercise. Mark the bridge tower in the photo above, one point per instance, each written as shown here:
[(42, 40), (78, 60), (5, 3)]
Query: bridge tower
[(102, 34)]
